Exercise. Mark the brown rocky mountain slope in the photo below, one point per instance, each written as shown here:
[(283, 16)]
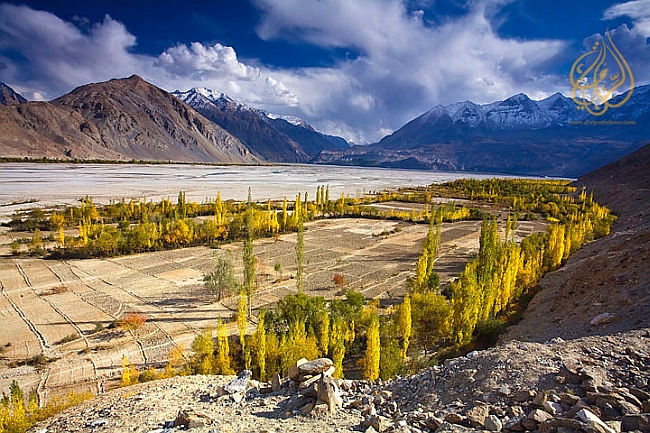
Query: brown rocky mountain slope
[(120, 119), (9, 97), (610, 275)]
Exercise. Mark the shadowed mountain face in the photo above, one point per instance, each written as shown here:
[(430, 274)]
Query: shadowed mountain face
[(518, 135), (120, 119), (9, 97), (272, 138)]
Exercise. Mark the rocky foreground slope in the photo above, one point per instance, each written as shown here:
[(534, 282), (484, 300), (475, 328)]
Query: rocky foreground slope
[(591, 385)]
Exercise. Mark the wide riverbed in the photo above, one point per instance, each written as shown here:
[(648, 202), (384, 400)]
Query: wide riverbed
[(60, 184)]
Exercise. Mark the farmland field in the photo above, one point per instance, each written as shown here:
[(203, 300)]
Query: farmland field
[(57, 314)]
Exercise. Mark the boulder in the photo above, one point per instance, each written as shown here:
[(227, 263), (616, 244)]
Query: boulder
[(602, 319), (189, 419), (477, 415), (640, 422), (293, 370), (240, 384), (276, 382), (493, 423), (329, 393), (313, 368), (594, 421)]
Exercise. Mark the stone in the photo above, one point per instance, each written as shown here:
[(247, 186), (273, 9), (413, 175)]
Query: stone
[(446, 427), (293, 370), (454, 418), (328, 392), (602, 319), (539, 416), (514, 423), (240, 384), (592, 420), (307, 408), (477, 415), (276, 382), (640, 422), (189, 419), (614, 425), (312, 368), (432, 422), (379, 423), (504, 391), (552, 408), (493, 423)]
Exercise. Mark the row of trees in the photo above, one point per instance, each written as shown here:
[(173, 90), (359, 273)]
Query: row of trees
[(477, 305), (122, 227), (18, 414)]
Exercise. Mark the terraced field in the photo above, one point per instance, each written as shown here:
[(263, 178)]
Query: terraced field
[(63, 309)]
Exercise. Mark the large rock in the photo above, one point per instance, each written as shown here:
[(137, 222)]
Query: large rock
[(594, 421), (493, 423), (639, 422), (293, 370), (313, 368), (191, 419), (328, 392), (240, 384)]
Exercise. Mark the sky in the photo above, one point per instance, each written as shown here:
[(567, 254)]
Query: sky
[(355, 68)]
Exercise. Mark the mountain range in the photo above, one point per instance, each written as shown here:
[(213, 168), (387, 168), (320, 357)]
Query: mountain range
[(517, 135), (125, 119), (118, 120), (272, 138)]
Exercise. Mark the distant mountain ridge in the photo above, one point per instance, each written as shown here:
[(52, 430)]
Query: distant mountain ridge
[(517, 135), (120, 119), (10, 97), (271, 137)]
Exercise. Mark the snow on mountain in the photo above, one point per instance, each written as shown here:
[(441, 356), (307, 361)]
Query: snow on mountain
[(516, 112)]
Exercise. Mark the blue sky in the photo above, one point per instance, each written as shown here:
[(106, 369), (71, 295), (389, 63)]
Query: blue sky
[(355, 68)]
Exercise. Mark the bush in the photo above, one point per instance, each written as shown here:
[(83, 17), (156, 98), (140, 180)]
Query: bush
[(132, 321), (487, 333), (68, 339)]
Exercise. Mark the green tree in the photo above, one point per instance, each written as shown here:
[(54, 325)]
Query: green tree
[(247, 254), (221, 280)]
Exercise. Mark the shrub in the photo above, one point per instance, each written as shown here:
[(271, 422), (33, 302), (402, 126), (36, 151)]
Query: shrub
[(68, 339), (132, 321)]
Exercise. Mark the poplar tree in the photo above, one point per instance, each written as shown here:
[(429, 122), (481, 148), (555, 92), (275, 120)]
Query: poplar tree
[(404, 324), (247, 254), (222, 360), (242, 319), (259, 348), (373, 349), (300, 251)]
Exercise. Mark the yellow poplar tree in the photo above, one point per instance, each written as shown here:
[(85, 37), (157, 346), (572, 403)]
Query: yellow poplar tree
[(404, 324), (223, 350), (259, 349), (373, 349)]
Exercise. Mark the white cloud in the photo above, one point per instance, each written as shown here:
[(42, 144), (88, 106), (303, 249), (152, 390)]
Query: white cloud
[(403, 65), (57, 56), (638, 10), (200, 62)]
